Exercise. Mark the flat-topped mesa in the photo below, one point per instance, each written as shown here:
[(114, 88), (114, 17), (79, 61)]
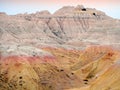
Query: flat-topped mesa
[(79, 11)]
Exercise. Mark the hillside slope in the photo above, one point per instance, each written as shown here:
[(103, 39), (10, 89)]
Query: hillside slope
[(76, 48)]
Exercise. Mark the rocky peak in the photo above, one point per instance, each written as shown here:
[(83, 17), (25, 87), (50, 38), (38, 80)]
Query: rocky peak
[(67, 25), (79, 10), (79, 7), (65, 10)]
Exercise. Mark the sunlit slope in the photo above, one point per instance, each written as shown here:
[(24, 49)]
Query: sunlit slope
[(110, 80), (23, 71), (101, 73)]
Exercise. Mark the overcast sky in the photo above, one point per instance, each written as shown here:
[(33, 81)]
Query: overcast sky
[(110, 7)]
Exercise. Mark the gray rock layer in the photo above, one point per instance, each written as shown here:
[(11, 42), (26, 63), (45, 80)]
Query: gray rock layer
[(68, 25)]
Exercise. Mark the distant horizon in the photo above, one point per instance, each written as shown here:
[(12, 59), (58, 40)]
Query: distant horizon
[(13, 7)]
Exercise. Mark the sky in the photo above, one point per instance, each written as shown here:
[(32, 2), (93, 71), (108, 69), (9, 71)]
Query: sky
[(11, 7)]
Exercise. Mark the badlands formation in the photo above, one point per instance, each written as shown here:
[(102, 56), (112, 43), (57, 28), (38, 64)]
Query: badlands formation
[(76, 48)]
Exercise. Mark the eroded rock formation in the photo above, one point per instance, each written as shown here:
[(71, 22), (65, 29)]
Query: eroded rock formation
[(76, 48)]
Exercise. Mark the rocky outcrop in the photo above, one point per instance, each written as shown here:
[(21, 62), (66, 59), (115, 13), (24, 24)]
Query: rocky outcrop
[(66, 26)]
